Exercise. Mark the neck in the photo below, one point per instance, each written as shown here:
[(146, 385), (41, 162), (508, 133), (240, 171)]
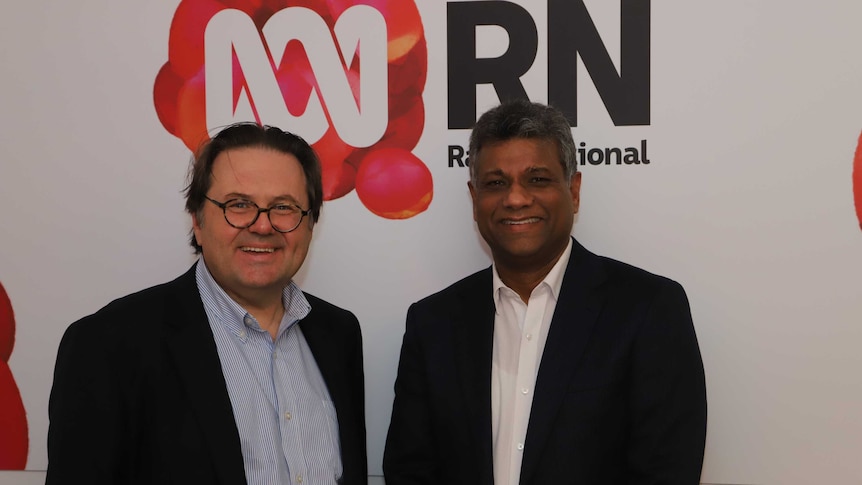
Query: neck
[(270, 320), (523, 280), (267, 309)]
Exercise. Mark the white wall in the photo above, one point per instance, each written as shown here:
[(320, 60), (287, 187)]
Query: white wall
[(747, 201)]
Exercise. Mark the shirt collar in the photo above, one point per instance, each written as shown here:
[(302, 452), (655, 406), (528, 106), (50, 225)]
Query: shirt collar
[(552, 280), (233, 316)]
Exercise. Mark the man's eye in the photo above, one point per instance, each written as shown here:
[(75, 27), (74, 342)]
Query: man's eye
[(492, 184), (240, 205), (284, 208), (540, 180)]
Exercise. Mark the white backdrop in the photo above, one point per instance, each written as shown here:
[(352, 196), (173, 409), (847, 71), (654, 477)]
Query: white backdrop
[(756, 108)]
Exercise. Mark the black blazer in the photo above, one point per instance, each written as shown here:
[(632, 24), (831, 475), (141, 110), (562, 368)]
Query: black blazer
[(139, 396), (620, 395)]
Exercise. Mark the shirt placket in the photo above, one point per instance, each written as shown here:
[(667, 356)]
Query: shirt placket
[(526, 380), (285, 357)]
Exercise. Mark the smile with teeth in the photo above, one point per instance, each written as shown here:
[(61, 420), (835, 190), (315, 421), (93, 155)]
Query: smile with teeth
[(529, 220), (257, 250)]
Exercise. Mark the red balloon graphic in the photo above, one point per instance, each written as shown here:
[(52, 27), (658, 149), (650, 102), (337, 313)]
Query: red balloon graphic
[(857, 181), (179, 94), (7, 326), (393, 183), (14, 439)]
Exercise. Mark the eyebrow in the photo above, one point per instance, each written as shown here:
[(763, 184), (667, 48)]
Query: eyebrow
[(530, 169), (274, 200), (492, 172)]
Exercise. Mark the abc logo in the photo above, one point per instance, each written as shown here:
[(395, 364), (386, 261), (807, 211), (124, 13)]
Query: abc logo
[(346, 76)]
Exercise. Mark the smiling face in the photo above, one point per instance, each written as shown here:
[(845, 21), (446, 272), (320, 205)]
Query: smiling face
[(522, 203), (255, 262)]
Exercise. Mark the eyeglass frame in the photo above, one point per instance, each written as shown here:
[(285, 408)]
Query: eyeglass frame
[(223, 207)]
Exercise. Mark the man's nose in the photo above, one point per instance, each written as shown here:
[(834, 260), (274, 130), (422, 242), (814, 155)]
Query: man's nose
[(262, 225), (518, 196)]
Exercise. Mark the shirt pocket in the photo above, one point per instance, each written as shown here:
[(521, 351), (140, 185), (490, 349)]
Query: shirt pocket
[(332, 434)]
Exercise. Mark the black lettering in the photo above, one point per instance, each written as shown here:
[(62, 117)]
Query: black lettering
[(613, 151), (599, 157), (571, 32), (456, 154), (465, 71), (582, 153), (644, 158), (632, 156)]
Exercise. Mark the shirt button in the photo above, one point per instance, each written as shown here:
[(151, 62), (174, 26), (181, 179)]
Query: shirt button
[(247, 320), (520, 446), (299, 479), (529, 336), (275, 355), (525, 391), (287, 416)]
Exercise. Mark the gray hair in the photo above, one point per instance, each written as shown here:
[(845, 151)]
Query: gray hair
[(523, 119)]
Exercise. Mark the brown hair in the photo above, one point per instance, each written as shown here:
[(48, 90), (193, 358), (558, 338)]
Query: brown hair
[(244, 135)]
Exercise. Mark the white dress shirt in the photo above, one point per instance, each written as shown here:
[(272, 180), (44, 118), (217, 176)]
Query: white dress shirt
[(287, 424), (520, 332)]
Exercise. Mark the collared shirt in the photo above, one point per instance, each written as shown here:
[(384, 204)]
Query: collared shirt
[(520, 333), (287, 424)]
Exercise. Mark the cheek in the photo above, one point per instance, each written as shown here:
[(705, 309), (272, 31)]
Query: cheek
[(209, 233), (483, 207), (300, 241)]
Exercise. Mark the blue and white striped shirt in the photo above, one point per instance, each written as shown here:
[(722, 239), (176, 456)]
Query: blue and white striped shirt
[(286, 420)]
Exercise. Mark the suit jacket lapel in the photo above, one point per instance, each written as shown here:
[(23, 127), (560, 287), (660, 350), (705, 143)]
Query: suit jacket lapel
[(574, 318), (193, 349), (473, 334), (316, 336), (319, 337)]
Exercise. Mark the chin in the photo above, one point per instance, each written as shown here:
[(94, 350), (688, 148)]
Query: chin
[(520, 252)]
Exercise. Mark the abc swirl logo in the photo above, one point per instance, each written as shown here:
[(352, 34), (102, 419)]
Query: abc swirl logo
[(347, 76)]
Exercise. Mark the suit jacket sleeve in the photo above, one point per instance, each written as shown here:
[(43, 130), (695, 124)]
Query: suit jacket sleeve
[(668, 395), (86, 437), (139, 396), (410, 454)]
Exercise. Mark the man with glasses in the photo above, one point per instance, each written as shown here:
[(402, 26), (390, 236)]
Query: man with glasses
[(230, 373)]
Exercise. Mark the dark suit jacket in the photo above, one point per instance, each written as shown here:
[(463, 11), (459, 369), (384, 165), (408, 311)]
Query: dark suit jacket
[(139, 396), (619, 399)]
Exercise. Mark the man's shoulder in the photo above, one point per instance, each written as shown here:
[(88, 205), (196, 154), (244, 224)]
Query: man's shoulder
[(143, 306), (468, 288), (624, 276), (621, 269), (323, 308)]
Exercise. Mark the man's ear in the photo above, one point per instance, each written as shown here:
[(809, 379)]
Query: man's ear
[(575, 188), (197, 224), (472, 196)]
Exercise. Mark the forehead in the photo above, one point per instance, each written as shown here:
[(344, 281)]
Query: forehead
[(519, 154), (258, 171)]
